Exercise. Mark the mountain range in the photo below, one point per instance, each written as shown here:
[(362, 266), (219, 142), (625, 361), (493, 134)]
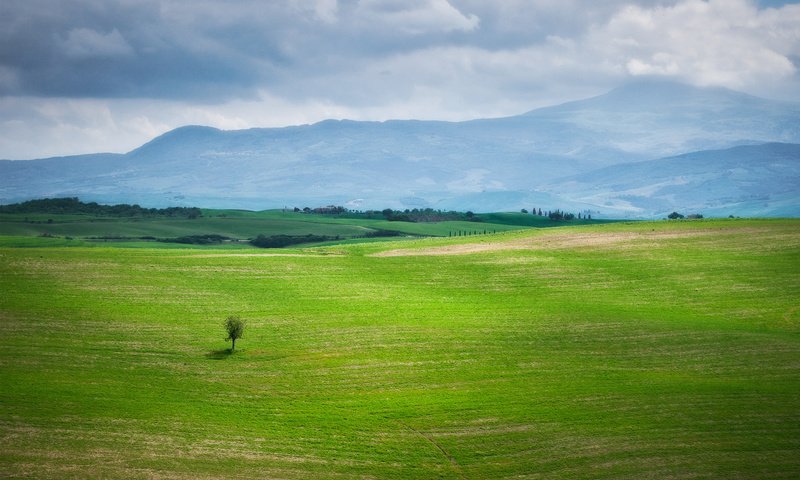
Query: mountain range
[(639, 151)]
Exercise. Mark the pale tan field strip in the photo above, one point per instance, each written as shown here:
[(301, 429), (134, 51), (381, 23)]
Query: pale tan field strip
[(226, 255), (562, 240)]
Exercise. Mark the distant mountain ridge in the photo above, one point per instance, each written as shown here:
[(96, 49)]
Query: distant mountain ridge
[(748, 180), (486, 164)]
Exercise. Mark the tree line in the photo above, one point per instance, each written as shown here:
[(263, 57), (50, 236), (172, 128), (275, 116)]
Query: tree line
[(414, 215), (692, 216), (281, 241), (558, 215), (72, 205)]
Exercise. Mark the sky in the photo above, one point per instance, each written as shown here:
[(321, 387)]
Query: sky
[(84, 76)]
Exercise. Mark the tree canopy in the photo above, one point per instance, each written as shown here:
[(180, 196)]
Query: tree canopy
[(234, 326)]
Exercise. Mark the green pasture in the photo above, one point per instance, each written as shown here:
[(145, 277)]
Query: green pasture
[(237, 224), (643, 350)]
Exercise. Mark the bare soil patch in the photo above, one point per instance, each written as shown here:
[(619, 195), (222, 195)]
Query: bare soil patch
[(215, 255)]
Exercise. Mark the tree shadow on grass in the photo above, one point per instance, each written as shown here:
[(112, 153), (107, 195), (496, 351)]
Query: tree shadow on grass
[(219, 354)]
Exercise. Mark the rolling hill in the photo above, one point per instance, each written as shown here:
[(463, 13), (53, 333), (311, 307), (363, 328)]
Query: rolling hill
[(627, 350)]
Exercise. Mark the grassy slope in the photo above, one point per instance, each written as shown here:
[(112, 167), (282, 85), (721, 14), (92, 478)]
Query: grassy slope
[(236, 224), (660, 350)]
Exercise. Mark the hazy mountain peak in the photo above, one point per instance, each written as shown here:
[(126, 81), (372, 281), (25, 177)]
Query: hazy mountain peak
[(178, 137), (653, 95), (186, 132), (649, 86)]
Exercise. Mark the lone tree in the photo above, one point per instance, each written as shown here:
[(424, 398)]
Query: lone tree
[(235, 328)]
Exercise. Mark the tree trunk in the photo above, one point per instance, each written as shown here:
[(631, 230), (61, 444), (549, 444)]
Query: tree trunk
[(233, 344)]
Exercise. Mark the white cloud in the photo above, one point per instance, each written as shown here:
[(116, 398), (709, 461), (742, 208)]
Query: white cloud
[(721, 42), (42, 127), (324, 10), (415, 16), (658, 64)]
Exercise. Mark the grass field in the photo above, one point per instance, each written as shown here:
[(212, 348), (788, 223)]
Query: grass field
[(243, 225), (646, 350)]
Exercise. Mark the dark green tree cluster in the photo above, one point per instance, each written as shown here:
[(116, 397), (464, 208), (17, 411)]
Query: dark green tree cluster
[(558, 215), (382, 233), (280, 241), (207, 239), (416, 215), (73, 205), (678, 216), (330, 210)]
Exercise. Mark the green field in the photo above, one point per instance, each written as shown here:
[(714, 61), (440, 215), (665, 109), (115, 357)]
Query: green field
[(624, 350), (243, 225)]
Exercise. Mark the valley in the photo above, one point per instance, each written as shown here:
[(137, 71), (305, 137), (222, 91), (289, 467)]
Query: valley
[(239, 228)]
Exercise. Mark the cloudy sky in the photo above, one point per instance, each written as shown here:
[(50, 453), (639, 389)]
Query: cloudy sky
[(80, 76)]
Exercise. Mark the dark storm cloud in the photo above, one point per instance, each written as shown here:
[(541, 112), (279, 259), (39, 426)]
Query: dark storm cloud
[(152, 49), (91, 75), (214, 51), (131, 49), (218, 50)]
